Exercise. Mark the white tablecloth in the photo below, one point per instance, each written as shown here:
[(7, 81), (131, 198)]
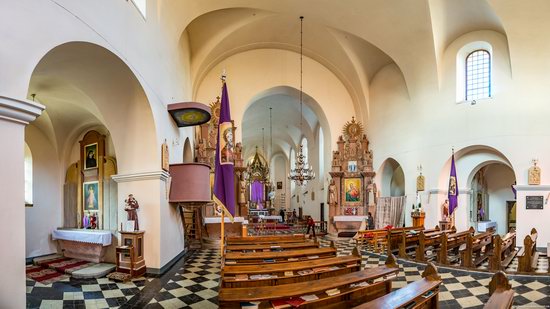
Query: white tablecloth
[(212, 220), (89, 236), (483, 226), (349, 218), (278, 218)]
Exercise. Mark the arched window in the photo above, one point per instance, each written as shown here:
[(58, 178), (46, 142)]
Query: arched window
[(28, 176), (304, 150), (478, 75)]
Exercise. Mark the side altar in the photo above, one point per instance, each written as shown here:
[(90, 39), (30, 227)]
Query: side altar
[(351, 192)]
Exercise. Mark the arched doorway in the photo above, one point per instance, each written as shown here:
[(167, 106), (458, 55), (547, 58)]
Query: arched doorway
[(390, 206)]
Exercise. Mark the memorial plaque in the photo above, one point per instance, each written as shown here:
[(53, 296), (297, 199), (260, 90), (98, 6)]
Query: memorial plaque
[(534, 202)]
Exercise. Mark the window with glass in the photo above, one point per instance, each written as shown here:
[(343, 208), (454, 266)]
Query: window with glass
[(478, 75)]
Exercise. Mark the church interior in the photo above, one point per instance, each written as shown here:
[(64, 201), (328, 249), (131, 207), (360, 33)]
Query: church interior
[(274, 154)]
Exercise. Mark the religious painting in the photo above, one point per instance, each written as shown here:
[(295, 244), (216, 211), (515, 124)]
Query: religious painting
[(352, 187), (352, 166), (90, 151), (226, 143), (91, 195), (452, 185), (420, 181), (279, 185), (165, 156)]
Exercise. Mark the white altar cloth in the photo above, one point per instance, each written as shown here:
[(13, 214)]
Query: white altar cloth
[(88, 236), (278, 218), (483, 226), (212, 220), (349, 218)]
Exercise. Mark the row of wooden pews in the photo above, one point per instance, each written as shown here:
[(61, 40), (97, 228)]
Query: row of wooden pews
[(476, 249), (327, 281), (504, 251)]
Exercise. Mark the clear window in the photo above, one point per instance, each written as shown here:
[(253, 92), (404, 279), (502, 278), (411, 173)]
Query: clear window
[(478, 75), (28, 176)]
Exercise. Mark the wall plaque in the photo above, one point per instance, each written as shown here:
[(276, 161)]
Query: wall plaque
[(534, 202)]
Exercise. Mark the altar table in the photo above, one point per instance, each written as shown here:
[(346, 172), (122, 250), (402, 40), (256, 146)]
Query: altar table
[(84, 244)]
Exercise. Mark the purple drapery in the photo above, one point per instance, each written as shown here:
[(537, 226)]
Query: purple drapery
[(257, 193)]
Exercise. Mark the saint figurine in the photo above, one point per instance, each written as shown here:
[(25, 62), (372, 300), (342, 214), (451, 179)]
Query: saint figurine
[(445, 210), (332, 200), (242, 190), (131, 207)]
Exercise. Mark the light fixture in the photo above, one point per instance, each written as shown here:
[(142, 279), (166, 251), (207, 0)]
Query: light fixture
[(302, 172)]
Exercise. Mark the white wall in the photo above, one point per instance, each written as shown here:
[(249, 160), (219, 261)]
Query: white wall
[(46, 214), (499, 179)]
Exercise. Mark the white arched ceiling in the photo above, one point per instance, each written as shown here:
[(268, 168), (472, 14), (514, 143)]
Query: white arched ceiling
[(220, 34), (84, 85), (286, 116)]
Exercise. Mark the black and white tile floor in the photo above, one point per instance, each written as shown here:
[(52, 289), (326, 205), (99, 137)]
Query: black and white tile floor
[(193, 283)]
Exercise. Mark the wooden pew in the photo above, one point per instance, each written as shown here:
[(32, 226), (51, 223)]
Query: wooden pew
[(428, 240), (528, 255), (476, 249), (502, 295), (504, 251), (350, 286), (423, 293), (451, 242), (375, 240), (254, 240), (285, 273), (279, 257), (273, 246), (395, 236)]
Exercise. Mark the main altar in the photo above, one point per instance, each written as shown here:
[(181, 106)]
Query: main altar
[(351, 192)]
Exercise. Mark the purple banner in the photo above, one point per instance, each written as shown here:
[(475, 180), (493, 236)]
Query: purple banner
[(453, 188), (224, 183)]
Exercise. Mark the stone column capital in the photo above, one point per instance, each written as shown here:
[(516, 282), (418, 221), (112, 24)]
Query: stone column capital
[(19, 111)]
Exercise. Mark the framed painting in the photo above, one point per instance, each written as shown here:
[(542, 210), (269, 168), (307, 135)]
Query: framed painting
[(90, 191), (352, 188), (90, 160), (279, 185), (352, 166)]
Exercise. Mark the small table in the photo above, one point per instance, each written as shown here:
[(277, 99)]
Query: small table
[(445, 225)]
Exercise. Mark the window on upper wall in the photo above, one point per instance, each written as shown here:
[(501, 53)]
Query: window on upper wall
[(478, 75), (28, 176), (141, 5)]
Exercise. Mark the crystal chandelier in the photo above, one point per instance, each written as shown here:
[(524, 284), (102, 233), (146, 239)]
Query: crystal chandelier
[(302, 172)]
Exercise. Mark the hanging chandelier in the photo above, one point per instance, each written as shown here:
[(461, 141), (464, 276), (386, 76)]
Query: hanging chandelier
[(302, 172)]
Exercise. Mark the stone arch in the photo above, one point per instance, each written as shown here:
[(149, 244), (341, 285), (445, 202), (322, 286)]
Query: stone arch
[(392, 178)]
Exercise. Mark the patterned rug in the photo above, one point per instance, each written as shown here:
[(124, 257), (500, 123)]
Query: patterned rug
[(44, 275), (65, 265)]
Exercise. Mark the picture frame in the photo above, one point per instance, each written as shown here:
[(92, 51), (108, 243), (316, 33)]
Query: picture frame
[(352, 191), (90, 195), (279, 185), (90, 156)]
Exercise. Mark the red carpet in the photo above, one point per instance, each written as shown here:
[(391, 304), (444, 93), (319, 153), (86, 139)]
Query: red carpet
[(44, 275), (65, 265)]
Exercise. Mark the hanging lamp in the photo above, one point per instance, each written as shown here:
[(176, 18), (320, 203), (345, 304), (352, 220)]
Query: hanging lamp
[(301, 173)]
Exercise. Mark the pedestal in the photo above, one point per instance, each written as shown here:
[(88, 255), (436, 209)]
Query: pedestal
[(445, 225), (418, 218), (134, 239)]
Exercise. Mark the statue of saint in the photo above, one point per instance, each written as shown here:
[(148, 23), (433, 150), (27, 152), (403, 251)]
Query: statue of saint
[(242, 191), (131, 207), (332, 199), (202, 152), (445, 210)]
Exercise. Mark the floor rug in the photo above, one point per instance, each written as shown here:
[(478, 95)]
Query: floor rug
[(65, 265), (44, 275)]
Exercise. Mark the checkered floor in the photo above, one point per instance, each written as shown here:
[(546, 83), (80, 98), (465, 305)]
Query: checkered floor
[(194, 284)]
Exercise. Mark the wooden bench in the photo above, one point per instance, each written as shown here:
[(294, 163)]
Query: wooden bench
[(451, 242), (272, 247), (428, 240), (423, 293), (504, 251), (354, 288), (375, 240), (254, 240), (234, 276), (528, 255), (476, 249), (279, 257), (502, 295), (395, 236)]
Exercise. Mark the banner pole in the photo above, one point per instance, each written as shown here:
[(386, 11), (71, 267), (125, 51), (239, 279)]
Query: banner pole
[(222, 240)]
